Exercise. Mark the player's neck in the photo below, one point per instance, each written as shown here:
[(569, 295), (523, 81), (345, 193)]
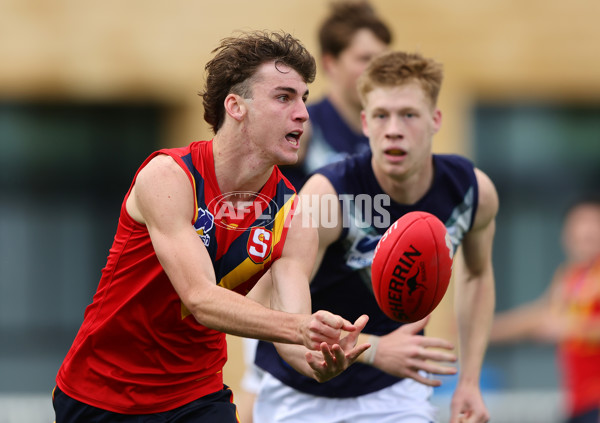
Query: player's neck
[(236, 169), (406, 189)]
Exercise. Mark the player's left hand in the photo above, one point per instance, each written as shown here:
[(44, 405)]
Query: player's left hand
[(330, 361), (467, 405)]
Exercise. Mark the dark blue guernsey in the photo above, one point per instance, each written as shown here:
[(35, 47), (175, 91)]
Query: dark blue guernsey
[(342, 284)]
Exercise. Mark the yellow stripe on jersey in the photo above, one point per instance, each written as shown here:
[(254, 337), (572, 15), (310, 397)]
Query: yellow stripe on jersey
[(242, 273), (184, 311), (280, 219), (195, 200), (248, 268)]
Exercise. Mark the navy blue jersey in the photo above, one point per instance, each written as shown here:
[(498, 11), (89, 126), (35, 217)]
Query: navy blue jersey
[(342, 284), (331, 140)]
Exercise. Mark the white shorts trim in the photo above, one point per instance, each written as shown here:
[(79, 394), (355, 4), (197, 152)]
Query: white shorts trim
[(406, 401)]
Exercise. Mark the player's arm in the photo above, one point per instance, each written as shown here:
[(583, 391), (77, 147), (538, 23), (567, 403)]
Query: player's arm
[(321, 203), (323, 364), (404, 353), (290, 292), (162, 199), (474, 303), (557, 323), (537, 320)]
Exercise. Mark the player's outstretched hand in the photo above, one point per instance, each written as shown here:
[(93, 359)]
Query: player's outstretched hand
[(327, 327), (403, 353), (330, 361)]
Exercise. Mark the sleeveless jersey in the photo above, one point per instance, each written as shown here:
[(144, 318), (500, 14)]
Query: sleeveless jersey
[(139, 350), (342, 284), (331, 140), (580, 358)]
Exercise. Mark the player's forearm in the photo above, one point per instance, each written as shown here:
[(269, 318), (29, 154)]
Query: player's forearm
[(294, 355), (475, 310), (219, 308), (518, 324), (232, 313)]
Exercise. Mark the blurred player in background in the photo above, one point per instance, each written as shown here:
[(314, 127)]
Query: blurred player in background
[(568, 313), (152, 343), (400, 174), (349, 37)]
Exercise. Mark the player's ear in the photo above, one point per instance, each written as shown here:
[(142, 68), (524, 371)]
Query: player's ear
[(328, 61), (235, 106), (437, 120), (363, 120)]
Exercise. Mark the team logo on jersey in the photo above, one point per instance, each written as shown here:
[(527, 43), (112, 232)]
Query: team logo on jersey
[(204, 224), (260, 243), (360, 254)]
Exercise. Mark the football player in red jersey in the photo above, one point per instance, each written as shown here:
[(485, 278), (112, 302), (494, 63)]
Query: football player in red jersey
[(153, 339), (568, 313)]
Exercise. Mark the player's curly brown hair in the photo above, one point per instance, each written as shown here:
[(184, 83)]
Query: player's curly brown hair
[(236, 61), (398, 68)]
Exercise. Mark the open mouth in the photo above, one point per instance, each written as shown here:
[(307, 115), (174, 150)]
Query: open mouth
[(395, 152), (293, 138)]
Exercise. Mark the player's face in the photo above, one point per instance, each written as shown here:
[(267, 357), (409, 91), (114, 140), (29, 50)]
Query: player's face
[(350, 64), (276, 113), (581, 233), (400, 123)]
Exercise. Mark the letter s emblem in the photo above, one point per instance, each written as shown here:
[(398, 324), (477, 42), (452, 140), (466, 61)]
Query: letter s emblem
[(259, 244)]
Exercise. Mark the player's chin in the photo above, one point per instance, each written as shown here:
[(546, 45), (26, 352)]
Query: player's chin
[(393, 172), (287, 158), (393, 169)]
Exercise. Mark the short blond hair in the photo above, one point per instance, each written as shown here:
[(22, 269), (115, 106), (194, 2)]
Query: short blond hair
[(399, 68)]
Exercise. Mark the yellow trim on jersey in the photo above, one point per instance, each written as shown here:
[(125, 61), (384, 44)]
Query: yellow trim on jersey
[(195, 197), (242, 272), (280, 219), (184, 311), (248, 268)]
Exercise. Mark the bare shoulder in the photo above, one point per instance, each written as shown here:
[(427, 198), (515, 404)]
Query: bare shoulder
[(161, 181), (160, 167), (487, 207)]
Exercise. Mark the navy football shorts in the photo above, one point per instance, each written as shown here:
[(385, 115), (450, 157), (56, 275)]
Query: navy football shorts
[(214, 408)]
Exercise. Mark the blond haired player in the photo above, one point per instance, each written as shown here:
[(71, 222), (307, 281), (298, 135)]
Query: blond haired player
[(399, 93)]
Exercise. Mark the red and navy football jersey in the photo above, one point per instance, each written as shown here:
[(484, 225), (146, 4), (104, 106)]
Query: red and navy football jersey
[(139, 350), (242, 241)]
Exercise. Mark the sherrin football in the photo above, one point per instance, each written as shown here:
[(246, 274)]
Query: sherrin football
[(412, 265)]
